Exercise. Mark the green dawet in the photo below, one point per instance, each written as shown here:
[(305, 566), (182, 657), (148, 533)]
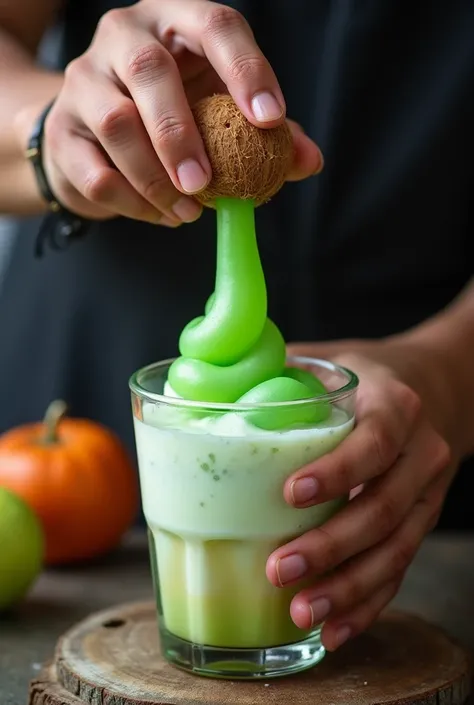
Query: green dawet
[(234, 353)]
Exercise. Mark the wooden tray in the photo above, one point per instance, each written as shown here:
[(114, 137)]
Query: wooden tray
[(113, 658)]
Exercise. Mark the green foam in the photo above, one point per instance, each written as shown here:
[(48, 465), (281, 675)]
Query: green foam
[(203, 381), (279, 389)]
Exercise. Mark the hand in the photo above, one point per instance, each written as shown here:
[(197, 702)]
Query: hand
[(401, 466), (121, 139)]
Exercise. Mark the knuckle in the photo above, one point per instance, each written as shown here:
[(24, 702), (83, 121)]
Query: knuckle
[(75, 69), (221, 19), (385, 514), (341, 477), (72, 69), (98, 186), (245, 67), (148, 59), (409, 400), (352, 593), (112, 19), (384, 445), (116, 121), (169, 129), (328, 553)]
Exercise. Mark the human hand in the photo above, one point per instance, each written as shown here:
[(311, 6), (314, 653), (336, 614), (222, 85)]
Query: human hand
[(121, 139), (400, 464)]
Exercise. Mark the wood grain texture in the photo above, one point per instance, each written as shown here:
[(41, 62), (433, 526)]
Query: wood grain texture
[(113, 658)]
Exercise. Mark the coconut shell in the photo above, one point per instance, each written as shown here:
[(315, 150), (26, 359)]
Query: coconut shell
[(247, 162)]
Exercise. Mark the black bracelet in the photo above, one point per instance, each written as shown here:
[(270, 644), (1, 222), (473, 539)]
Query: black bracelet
[(60, 226)]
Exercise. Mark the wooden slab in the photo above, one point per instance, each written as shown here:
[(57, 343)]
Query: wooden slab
[(113, 658)]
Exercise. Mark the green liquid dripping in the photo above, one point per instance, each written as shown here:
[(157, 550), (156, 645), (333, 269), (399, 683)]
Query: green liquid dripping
[(234, 353)]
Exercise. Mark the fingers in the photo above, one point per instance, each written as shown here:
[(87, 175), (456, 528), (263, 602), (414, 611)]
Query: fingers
[(388, 413), (114, 120), (358, 579), (368, 519), (101, 188), (308, 159), (336, 634), (148, 154), (225, 38), (152, 78), (55, 146)]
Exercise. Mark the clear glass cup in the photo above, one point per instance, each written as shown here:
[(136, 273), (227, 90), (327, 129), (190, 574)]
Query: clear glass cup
[(213, 501)]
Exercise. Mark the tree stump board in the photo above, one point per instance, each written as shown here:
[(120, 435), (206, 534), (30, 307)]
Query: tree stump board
[(113, 658)]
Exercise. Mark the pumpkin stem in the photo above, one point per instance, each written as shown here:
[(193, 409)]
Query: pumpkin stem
[(54, 413)]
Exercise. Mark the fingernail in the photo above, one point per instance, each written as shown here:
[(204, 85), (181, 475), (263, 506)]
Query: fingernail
[(186, 209), (192, 176), (266, 108), (321, 164), (342, 635), (169, 222), (290, 568), (303, 490), (320, 609)]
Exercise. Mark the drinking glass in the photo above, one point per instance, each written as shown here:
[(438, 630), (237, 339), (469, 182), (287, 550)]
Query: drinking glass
[(212, 492)]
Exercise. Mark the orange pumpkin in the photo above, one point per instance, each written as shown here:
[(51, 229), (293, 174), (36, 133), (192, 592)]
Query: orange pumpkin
[(78, 478)]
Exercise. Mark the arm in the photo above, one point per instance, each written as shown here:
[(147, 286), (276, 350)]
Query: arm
[(25, 89), (446, 382)]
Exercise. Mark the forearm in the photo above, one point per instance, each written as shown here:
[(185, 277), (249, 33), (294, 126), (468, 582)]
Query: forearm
[(444, 369), (25, 90)]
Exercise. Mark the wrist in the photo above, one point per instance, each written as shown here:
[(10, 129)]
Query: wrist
[(32, 200), (41, 87), (61, 226)]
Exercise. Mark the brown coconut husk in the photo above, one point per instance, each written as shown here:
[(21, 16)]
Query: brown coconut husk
[(247, 162)]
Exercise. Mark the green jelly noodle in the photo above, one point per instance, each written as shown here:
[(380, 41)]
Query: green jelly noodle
[(234, 353)]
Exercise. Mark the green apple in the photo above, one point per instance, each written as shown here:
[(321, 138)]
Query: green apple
[(21, 548)]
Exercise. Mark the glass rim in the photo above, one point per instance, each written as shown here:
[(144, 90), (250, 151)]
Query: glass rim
[(339, 394)]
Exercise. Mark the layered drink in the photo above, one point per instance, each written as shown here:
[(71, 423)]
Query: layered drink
[(212, 490)]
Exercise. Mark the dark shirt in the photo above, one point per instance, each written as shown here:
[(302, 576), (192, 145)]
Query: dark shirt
[(376, 244)]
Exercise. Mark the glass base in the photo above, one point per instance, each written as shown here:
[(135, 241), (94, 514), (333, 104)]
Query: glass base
[(242, 664)]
